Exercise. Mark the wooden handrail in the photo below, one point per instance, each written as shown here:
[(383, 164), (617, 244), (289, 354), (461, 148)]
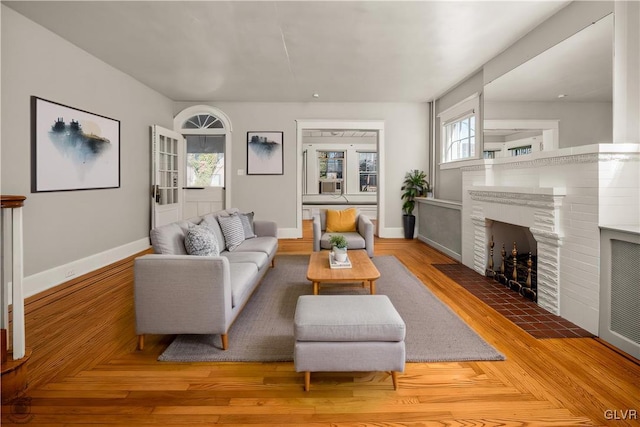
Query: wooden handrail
[(9, 201)]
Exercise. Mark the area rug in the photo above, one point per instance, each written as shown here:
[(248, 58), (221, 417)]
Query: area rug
[(263, 332)]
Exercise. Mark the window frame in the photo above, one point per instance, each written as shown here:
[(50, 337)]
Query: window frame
[(359, 152), (460, 112)]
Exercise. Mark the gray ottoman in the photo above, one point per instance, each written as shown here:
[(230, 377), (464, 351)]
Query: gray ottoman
[(348, 333)]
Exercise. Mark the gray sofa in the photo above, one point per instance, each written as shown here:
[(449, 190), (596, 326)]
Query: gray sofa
[(177, 293)]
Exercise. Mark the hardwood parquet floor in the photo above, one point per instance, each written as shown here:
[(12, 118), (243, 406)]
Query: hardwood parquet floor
[(85, 370)]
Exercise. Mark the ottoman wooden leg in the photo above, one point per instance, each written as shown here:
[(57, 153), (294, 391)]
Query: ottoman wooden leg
[(141, 342), (394, 377), (307, 380)]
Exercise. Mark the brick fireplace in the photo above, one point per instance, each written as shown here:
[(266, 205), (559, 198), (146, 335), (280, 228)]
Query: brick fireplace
[(537, 209), (562, 197)]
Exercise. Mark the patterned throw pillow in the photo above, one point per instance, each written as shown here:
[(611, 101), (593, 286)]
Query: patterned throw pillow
[(232, 229), (200, 240), (247, 224)]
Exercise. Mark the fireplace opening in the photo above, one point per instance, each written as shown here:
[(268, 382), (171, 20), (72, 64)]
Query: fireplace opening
[(513, 259)]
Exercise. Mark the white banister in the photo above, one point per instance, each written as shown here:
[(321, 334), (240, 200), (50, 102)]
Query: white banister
[(12, 247)]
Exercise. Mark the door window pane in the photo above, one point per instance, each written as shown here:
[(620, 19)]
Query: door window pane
[(205, 160)]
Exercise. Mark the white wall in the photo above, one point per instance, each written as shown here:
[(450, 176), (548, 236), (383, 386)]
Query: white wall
[(63, 228), (274, 197)]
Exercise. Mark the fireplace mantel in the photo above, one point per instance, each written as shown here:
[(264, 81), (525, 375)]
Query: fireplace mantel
[(536, 197)]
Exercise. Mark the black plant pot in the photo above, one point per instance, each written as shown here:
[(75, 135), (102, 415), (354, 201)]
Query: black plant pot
[(409, 223)]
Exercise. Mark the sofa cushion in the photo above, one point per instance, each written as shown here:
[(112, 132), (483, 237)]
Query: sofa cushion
[(354, 240), (200, 240), (243, 276), (341, 221), (232, 229), (211, 221), (258, 258), (265, 244), (169, 239)]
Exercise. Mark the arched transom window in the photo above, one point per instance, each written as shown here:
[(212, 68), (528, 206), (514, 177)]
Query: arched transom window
[(203, 121)]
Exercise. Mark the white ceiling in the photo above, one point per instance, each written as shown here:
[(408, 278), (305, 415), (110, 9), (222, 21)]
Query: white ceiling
[(361, 51)]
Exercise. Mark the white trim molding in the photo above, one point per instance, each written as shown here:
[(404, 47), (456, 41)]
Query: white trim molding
[(370, 125), (48, 279), (188, 112)]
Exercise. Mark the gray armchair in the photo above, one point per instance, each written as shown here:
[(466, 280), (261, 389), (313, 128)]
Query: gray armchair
[(362, 238)]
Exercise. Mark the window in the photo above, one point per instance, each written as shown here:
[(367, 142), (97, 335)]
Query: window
[(202, 121), (489, 154), (331, 164), (520, 151), (368, 171), (205, 160), (459, 138)]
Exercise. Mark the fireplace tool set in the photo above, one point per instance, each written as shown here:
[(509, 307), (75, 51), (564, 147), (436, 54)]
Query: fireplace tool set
[(517, 272)]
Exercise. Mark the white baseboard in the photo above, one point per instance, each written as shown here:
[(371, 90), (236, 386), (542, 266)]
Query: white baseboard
[(47, 279), (289, 233), (391, 232), (441, 248)]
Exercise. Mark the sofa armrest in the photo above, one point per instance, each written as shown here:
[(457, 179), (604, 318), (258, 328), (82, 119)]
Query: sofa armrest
[(317, 233), (177, 294), (264, 228), (365, 229)]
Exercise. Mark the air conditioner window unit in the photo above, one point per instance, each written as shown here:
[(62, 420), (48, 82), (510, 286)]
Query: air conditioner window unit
[(331, 187)]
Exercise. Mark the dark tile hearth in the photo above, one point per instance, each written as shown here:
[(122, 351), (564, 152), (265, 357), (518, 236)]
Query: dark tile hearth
[(526, 314)]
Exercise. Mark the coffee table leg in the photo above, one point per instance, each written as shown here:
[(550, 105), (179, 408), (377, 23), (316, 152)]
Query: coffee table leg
[(316, 288), (372, 286)]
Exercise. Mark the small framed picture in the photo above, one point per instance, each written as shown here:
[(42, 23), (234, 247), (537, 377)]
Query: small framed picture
[(265, 154), (72, 149)]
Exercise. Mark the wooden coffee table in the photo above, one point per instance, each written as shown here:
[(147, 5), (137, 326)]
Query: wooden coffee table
[(362, 270)]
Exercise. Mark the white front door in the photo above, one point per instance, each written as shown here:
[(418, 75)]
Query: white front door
[(205, 173), (167, 176)]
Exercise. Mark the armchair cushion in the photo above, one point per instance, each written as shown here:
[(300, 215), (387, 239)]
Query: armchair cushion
[(354, 240), (341, 221)]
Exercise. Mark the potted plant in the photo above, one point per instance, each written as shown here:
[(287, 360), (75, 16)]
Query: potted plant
[(415, 185), (339, 244)]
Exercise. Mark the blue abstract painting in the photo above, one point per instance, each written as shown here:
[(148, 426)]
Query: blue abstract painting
[(73, 149), (265, 155)]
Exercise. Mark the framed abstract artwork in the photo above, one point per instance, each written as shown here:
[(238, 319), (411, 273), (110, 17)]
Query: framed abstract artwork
[(72, 149), (265, 154)]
